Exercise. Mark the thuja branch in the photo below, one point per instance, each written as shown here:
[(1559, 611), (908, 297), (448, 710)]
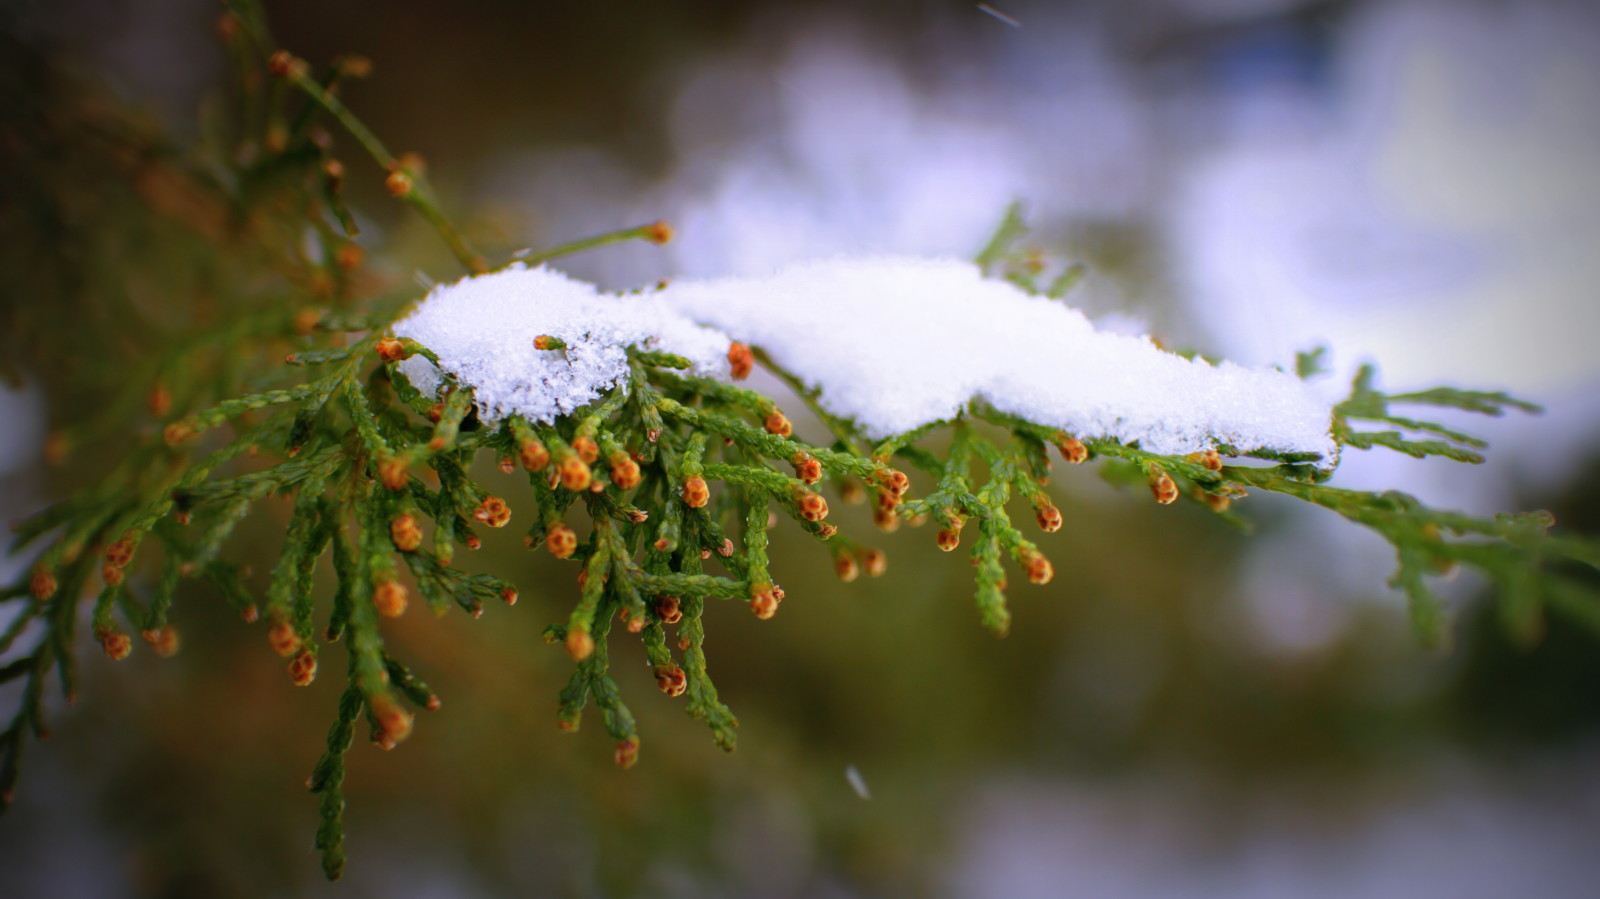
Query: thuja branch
[(653, 471)]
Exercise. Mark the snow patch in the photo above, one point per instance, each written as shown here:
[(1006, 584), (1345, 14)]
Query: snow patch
[(891, 342)]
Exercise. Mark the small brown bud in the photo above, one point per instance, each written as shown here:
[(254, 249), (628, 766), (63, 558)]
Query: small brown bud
[(393, 473), (887, 500), (671, 679), (392, 349), (695, 492), (120, 553), (658, 232), (116, 644), (56, 447), (389, 598), (285, 642), (586, 448), (806, 467), (726, 549), (159, 400), (1163, 488), (405, 532), (669, 609), (250, 614), (1209, 458), (763, 602), (177, 432), (164, 639), (43, 583), (507, 465), (812, 506), (533, 455), (778, 423), (624, 471), (874, 561), (683, 643), (627, 754), (852, 492), (473, 542), (305, 320), (575, 474), (282, 64), (493, 512), (886, 520), (398, 183), (895, 481), (844, 565), (354, 65), (740, 360), (579, 645), (349, 256), (561, 541), (546, 342), (509, 594), (111, 574), (825, 530), (1039, 569), (1072, 450), (394, 722), (1048, 516), (303, 669)]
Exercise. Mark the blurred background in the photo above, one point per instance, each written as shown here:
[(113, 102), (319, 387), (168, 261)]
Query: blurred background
[(1185, 711)]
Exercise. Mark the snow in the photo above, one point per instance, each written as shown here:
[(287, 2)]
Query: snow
[(483, 329), (891, 342)]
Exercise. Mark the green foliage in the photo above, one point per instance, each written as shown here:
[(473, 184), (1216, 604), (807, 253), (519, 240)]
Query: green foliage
[(673, 481)]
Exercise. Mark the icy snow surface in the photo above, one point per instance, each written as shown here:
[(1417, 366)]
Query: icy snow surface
[(893, 343), (482, 329)]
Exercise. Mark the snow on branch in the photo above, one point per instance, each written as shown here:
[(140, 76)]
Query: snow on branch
[(891, 343)]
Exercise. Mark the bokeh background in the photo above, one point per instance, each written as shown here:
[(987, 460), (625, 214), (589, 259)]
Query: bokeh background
[(1185, 711)]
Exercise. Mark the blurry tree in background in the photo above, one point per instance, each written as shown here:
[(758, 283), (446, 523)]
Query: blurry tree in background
[(1180, 713)]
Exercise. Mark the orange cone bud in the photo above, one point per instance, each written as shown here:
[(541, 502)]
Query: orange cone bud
[(116, 644), (669, 609), (806, 467), (561, 541), (778, 423), (1048, 516), (390, 599), (695, 492), (812, 506), (1073, 450), (579, 645), (741, 360), (671, 679), (763, 602), (285, 642), (844, 565), (391, 349), (405, 532), (493, 512), (303, 669), (624, 471), (533, 455), (575, 474)]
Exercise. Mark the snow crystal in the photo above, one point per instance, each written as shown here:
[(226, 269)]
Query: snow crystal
[(483, 329), (892, 343)]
